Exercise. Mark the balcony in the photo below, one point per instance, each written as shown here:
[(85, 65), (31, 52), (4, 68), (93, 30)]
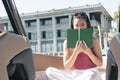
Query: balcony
[(94, 23)]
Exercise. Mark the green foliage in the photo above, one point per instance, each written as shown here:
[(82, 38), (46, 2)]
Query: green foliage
[(117, 15), (103, 32)]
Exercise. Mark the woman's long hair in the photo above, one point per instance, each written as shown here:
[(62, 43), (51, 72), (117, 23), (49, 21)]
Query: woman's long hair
[(82, 15)]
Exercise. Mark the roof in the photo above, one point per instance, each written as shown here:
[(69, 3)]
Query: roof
[(69, 10)]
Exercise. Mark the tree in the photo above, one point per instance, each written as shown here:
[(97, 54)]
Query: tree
[(117, 16)]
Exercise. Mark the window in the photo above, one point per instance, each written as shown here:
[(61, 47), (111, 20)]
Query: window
[(43, 34), (47, 34), (29, 35), (60, 45), (46, 21), (62, 20), (31, 23), (62, 33), (95, 16), (34, 46), (46, 46), (3, 27), (32, 35), (58, 33)]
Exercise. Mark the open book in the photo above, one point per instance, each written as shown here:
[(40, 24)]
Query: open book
[(74, 35)]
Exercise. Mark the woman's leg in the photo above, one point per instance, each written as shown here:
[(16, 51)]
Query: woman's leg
[(89, 74), (56, 74)]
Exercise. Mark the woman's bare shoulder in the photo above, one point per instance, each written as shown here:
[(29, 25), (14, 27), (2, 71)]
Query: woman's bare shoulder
[(65, 42), (65, 45), (95, 40)]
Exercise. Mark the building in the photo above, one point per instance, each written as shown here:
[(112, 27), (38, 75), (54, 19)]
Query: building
[(47, 30)]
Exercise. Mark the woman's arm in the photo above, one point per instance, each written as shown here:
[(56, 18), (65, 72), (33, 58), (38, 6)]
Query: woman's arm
[(69, 56), (96, 57)]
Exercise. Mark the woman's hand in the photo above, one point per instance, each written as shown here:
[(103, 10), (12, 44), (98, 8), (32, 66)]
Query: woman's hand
[(81, 46), (77, 48), (86, 49)]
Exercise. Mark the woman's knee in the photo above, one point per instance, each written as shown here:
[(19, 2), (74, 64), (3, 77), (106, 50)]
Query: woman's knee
[(96, 75), (51, 70)]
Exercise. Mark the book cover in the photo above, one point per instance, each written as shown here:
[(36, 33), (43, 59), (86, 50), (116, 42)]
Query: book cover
[(74, 35)]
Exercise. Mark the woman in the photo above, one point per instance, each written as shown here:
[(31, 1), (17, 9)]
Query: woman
[(82, 60)]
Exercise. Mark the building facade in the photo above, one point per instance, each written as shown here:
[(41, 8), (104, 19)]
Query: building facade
[(47, 30)]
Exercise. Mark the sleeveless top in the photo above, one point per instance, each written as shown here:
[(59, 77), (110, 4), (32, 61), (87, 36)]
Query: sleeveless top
[(83, 61)]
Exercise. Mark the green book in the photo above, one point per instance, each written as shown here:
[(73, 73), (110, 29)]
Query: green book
[(74, 35)]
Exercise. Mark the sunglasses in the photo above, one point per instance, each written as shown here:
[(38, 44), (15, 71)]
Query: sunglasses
[(80, 15)]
